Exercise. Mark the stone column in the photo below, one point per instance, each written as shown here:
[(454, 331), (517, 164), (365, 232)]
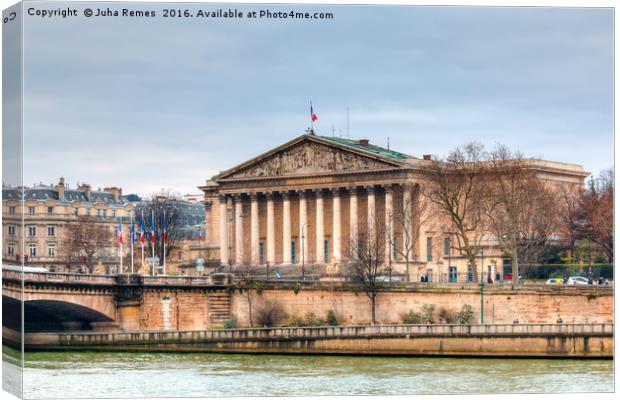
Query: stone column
[(254, 229), (286, 228), (336, 229), (238, 229), (371, 212), (223, 231), (320, 235), (353, 216), (407, 222), (271, 231), (389, 223), (303, 225)]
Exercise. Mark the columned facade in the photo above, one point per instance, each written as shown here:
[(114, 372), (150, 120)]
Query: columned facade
[(314, 198)]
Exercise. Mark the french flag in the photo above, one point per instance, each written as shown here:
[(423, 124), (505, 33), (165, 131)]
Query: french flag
[(165, 236), (153, 227), (312, 114), (120, 231), (142, 229)]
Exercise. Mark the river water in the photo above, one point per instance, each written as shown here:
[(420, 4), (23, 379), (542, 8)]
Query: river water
[(135, 374)]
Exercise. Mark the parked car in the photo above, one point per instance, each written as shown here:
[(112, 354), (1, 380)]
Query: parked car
[(603, 281), (577, 280), (554, 281)]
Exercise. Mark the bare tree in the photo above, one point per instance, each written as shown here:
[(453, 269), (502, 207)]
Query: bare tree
[(85, 241), (455, 187), (595, 213), (519, 209), (365, 262), (410, 223)]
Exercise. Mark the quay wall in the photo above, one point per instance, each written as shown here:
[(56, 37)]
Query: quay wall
[(541, 340), (501, 305)]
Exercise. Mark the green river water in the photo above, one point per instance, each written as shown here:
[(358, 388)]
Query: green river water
[(135, 374)]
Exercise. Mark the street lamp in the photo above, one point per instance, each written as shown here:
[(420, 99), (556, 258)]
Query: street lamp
[(303, 259)]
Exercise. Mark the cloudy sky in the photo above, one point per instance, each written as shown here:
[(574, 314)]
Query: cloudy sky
[(167, 103)]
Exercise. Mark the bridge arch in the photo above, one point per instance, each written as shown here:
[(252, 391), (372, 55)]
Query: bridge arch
[(54, 315)]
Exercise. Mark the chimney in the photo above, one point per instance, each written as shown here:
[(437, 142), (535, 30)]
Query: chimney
[(61, 189), (364, 142), (86, 188), (426, 157), (116, 192)]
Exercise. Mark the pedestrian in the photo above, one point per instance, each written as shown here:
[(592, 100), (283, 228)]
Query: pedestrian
[(559, 321), (515, 321)]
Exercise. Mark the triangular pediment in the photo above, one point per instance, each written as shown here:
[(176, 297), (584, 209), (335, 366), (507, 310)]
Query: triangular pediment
[(308, 155)]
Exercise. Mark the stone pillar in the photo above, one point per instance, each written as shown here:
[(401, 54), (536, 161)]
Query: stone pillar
[(303, 225), (353, 216), (320, 235), (286, 228), (389, 223), (407, 222), (336, 229), (371, 212), (271, 231), (254, 229), (223, 231), (238, 229)]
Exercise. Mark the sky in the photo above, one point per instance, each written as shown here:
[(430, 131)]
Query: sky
[(155, 103)]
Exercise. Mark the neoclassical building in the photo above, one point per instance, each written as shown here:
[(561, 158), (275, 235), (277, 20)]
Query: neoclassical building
[(304, 201)]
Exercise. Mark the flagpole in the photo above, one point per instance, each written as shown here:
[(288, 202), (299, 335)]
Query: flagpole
[(165, 241), (153, 239), (142, 239), (132, 237), (120, 240)]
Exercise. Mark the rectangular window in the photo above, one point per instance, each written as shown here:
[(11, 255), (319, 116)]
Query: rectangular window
[(326, 251), (11, 230), (180, 255), (113, 213), (51, 230), (12, 210), (293, 253), (75, 212), (429, 249), (453, 275), (31, 210), (32, 250), (50, 210), (98, 213), (261, 253), (88, 212), (51, 250), (105, 213), (446, 246), (429, 275), (32, 231), (470, 273), (12, 249)]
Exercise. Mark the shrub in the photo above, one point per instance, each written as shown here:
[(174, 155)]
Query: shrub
[(230, 323), (269, 313), (445, 316), (295, 320), (312, 320), (411, 318), (331, 318), (466, 315), (427, 313)]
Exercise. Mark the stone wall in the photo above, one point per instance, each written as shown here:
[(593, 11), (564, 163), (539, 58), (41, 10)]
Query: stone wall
[(573, 305)]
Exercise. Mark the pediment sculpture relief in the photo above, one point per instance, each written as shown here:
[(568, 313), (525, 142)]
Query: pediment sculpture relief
[(310, 158)]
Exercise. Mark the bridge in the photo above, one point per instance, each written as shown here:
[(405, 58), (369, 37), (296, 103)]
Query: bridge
[(77, 302)]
